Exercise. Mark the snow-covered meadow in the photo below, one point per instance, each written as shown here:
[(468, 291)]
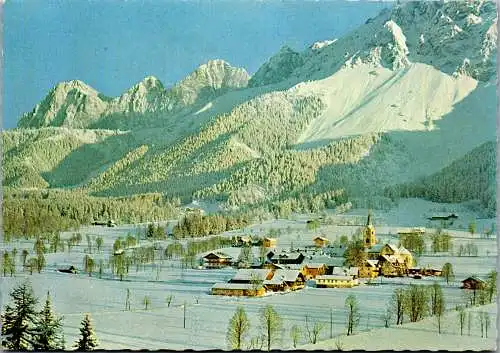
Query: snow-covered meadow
[(207, 316)]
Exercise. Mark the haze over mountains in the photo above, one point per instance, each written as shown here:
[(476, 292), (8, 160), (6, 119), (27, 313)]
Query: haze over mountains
[(406, 100)]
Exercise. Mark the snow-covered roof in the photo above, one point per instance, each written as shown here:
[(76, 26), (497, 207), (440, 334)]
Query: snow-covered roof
[(402, 250), (334, 277), (246, 274), (372, 263), (314, 265), (281, 276), (235, 286)]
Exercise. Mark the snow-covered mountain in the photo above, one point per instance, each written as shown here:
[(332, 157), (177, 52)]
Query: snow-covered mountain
[(75, 104), (393, 102)]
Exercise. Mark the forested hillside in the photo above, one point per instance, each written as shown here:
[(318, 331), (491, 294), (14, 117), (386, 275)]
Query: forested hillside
[(402, 106)]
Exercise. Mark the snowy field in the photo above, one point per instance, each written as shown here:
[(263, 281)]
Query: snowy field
[(207, 316)]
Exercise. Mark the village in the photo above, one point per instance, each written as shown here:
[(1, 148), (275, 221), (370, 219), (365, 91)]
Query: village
[(290, 269), (300, 266)]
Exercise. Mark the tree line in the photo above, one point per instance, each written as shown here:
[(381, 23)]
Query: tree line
[(31, 213)]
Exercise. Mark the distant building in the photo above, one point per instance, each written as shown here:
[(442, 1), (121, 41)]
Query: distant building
[(473, 282), (217, 260), (238, 289), (311, 270), (285, 280), (411, 231), (251, 275), (443, 216), (320, 242), (335, 281), (287, 259), (269, 242), (370, 269)]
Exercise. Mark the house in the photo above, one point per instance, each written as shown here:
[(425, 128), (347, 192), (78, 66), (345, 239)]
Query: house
[(243, 240), (369, 269), (71, 269), (414, 271), (285, 280), (405, 256), (320, 242), (473, 282), (238, 289), (269, 242), (335, 281), (311, 270), (391, 266), (251, 275), (287, 259), (217, 260)]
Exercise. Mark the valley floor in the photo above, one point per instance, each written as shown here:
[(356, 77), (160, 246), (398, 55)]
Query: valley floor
[(207, 316)]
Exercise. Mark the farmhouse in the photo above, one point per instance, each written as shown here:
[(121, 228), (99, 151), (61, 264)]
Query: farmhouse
[(473, 282), (311, 270), (238, 289), (287, 259), (285, 280), (320, 242), (390, 265), (217, 260), (335, 281), (269, 242), (369, 269)]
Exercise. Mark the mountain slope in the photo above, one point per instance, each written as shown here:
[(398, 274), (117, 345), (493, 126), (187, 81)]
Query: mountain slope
[(390, 103)]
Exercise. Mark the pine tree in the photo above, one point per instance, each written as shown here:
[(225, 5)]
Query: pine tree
[(88, 340), (49, 334), (19, 319)]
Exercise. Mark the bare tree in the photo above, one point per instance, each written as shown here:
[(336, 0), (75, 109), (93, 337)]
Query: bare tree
[(416, 302), (147, 302), (169, 299), (353, 316), (487, 322), (295, 335), (461, 318), (339, 343), (387, 316), (398, 305), (312, 333), (238, 329), (271, 325)]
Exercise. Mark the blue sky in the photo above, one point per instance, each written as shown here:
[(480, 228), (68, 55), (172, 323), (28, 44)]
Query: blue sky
[(111, 45)]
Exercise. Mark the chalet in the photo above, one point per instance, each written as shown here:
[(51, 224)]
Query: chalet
[(335, 281), (249, 276), (285, 280), (369, 269), (217, 260), (405, 256), (473, 282), (311, 270), (70, 269), (269, 242), (320, 242), (238, 289), (287, 259)]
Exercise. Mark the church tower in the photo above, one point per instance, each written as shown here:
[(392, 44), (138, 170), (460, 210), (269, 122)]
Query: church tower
[(370, 238)]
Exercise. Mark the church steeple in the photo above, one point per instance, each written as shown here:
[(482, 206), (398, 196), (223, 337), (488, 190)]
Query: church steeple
[(370, 238)]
